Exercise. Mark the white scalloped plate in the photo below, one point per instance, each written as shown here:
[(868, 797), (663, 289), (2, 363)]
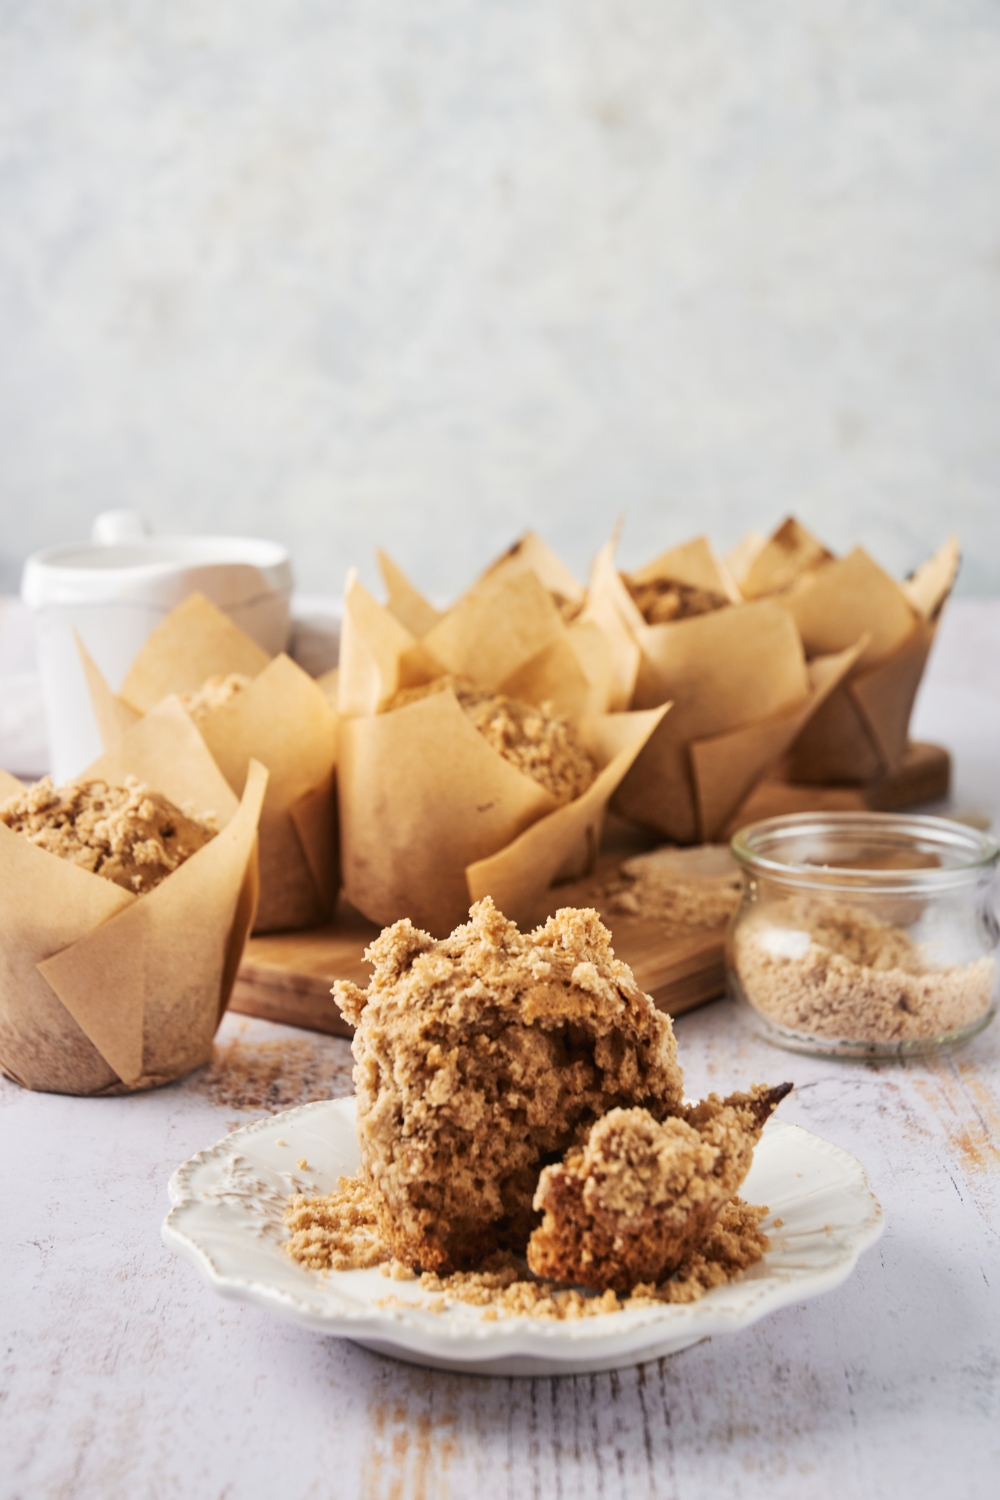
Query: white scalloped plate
[(227, 1218)]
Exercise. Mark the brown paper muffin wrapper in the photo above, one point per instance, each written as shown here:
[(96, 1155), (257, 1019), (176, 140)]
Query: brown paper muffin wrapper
[(688, 789), (740, 686), (511, 622), (762, 566), (106, 992), (282, 719), (861, 731), (431, 816)]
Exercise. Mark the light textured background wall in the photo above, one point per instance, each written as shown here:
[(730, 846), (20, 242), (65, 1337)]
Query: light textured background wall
[(424, 272)]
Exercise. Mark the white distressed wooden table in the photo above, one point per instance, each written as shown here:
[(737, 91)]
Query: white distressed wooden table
[(122, 1375)]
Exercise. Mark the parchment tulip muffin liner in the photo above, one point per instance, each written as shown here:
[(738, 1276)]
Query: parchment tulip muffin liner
[(738, 679), (107, 992), (861, 729), (279, 716), (431, 815)]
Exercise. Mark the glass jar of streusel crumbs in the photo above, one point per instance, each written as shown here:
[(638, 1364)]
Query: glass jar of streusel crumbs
[(865, 934)]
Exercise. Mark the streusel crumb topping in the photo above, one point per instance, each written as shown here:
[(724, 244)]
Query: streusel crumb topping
[(127, 834), (543, 745)]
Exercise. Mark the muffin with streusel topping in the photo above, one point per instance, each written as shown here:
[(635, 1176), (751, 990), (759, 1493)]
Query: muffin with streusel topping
[(482, 1057)]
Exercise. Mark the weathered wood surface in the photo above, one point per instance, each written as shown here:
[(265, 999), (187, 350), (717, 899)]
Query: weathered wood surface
[(122, 1375)]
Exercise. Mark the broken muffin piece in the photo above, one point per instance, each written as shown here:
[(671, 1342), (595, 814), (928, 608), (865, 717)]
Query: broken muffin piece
[(543, 745), (128, 834), (640, 1195), (481, 1057)]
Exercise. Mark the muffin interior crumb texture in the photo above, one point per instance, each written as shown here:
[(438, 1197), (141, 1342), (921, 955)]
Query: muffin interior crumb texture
[(213, 693), (480, 1058), (128, 834), (837, 971), (661, 600), (543, 745)]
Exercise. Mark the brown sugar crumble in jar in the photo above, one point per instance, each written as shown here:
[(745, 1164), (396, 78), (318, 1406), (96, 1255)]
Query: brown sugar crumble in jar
[(481, 1057), (128, 834), (640, 1196), (661, 600), (543, 745), (838, 971), (214, 693)]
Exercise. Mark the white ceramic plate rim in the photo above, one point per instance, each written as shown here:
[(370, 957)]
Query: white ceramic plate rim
[(225, 1228)]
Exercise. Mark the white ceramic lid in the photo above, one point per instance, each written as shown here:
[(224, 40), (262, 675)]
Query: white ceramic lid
[(91, 574)]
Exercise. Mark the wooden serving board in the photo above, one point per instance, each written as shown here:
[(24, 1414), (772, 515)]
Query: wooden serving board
[(287, 976)]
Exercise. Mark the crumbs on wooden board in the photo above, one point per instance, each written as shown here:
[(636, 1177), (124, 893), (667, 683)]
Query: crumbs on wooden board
[(657, 888)]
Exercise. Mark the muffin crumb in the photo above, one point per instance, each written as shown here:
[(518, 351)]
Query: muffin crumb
[(655, 887), (338, 1232)]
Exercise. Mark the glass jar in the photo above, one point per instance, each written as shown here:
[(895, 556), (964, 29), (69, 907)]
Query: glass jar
[(865, 934)]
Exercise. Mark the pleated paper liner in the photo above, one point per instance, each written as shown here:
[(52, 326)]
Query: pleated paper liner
[(860, 732), (282, 719), (431, 816), (741, 688), (106, 992)]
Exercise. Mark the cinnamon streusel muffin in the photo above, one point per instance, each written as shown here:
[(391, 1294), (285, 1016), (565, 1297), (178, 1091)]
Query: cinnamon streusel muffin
[(543, 745), (639, 1196), (480, 1058), (127, 834)]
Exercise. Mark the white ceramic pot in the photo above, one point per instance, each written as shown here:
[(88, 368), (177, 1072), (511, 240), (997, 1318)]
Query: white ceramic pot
[(114, 591)]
